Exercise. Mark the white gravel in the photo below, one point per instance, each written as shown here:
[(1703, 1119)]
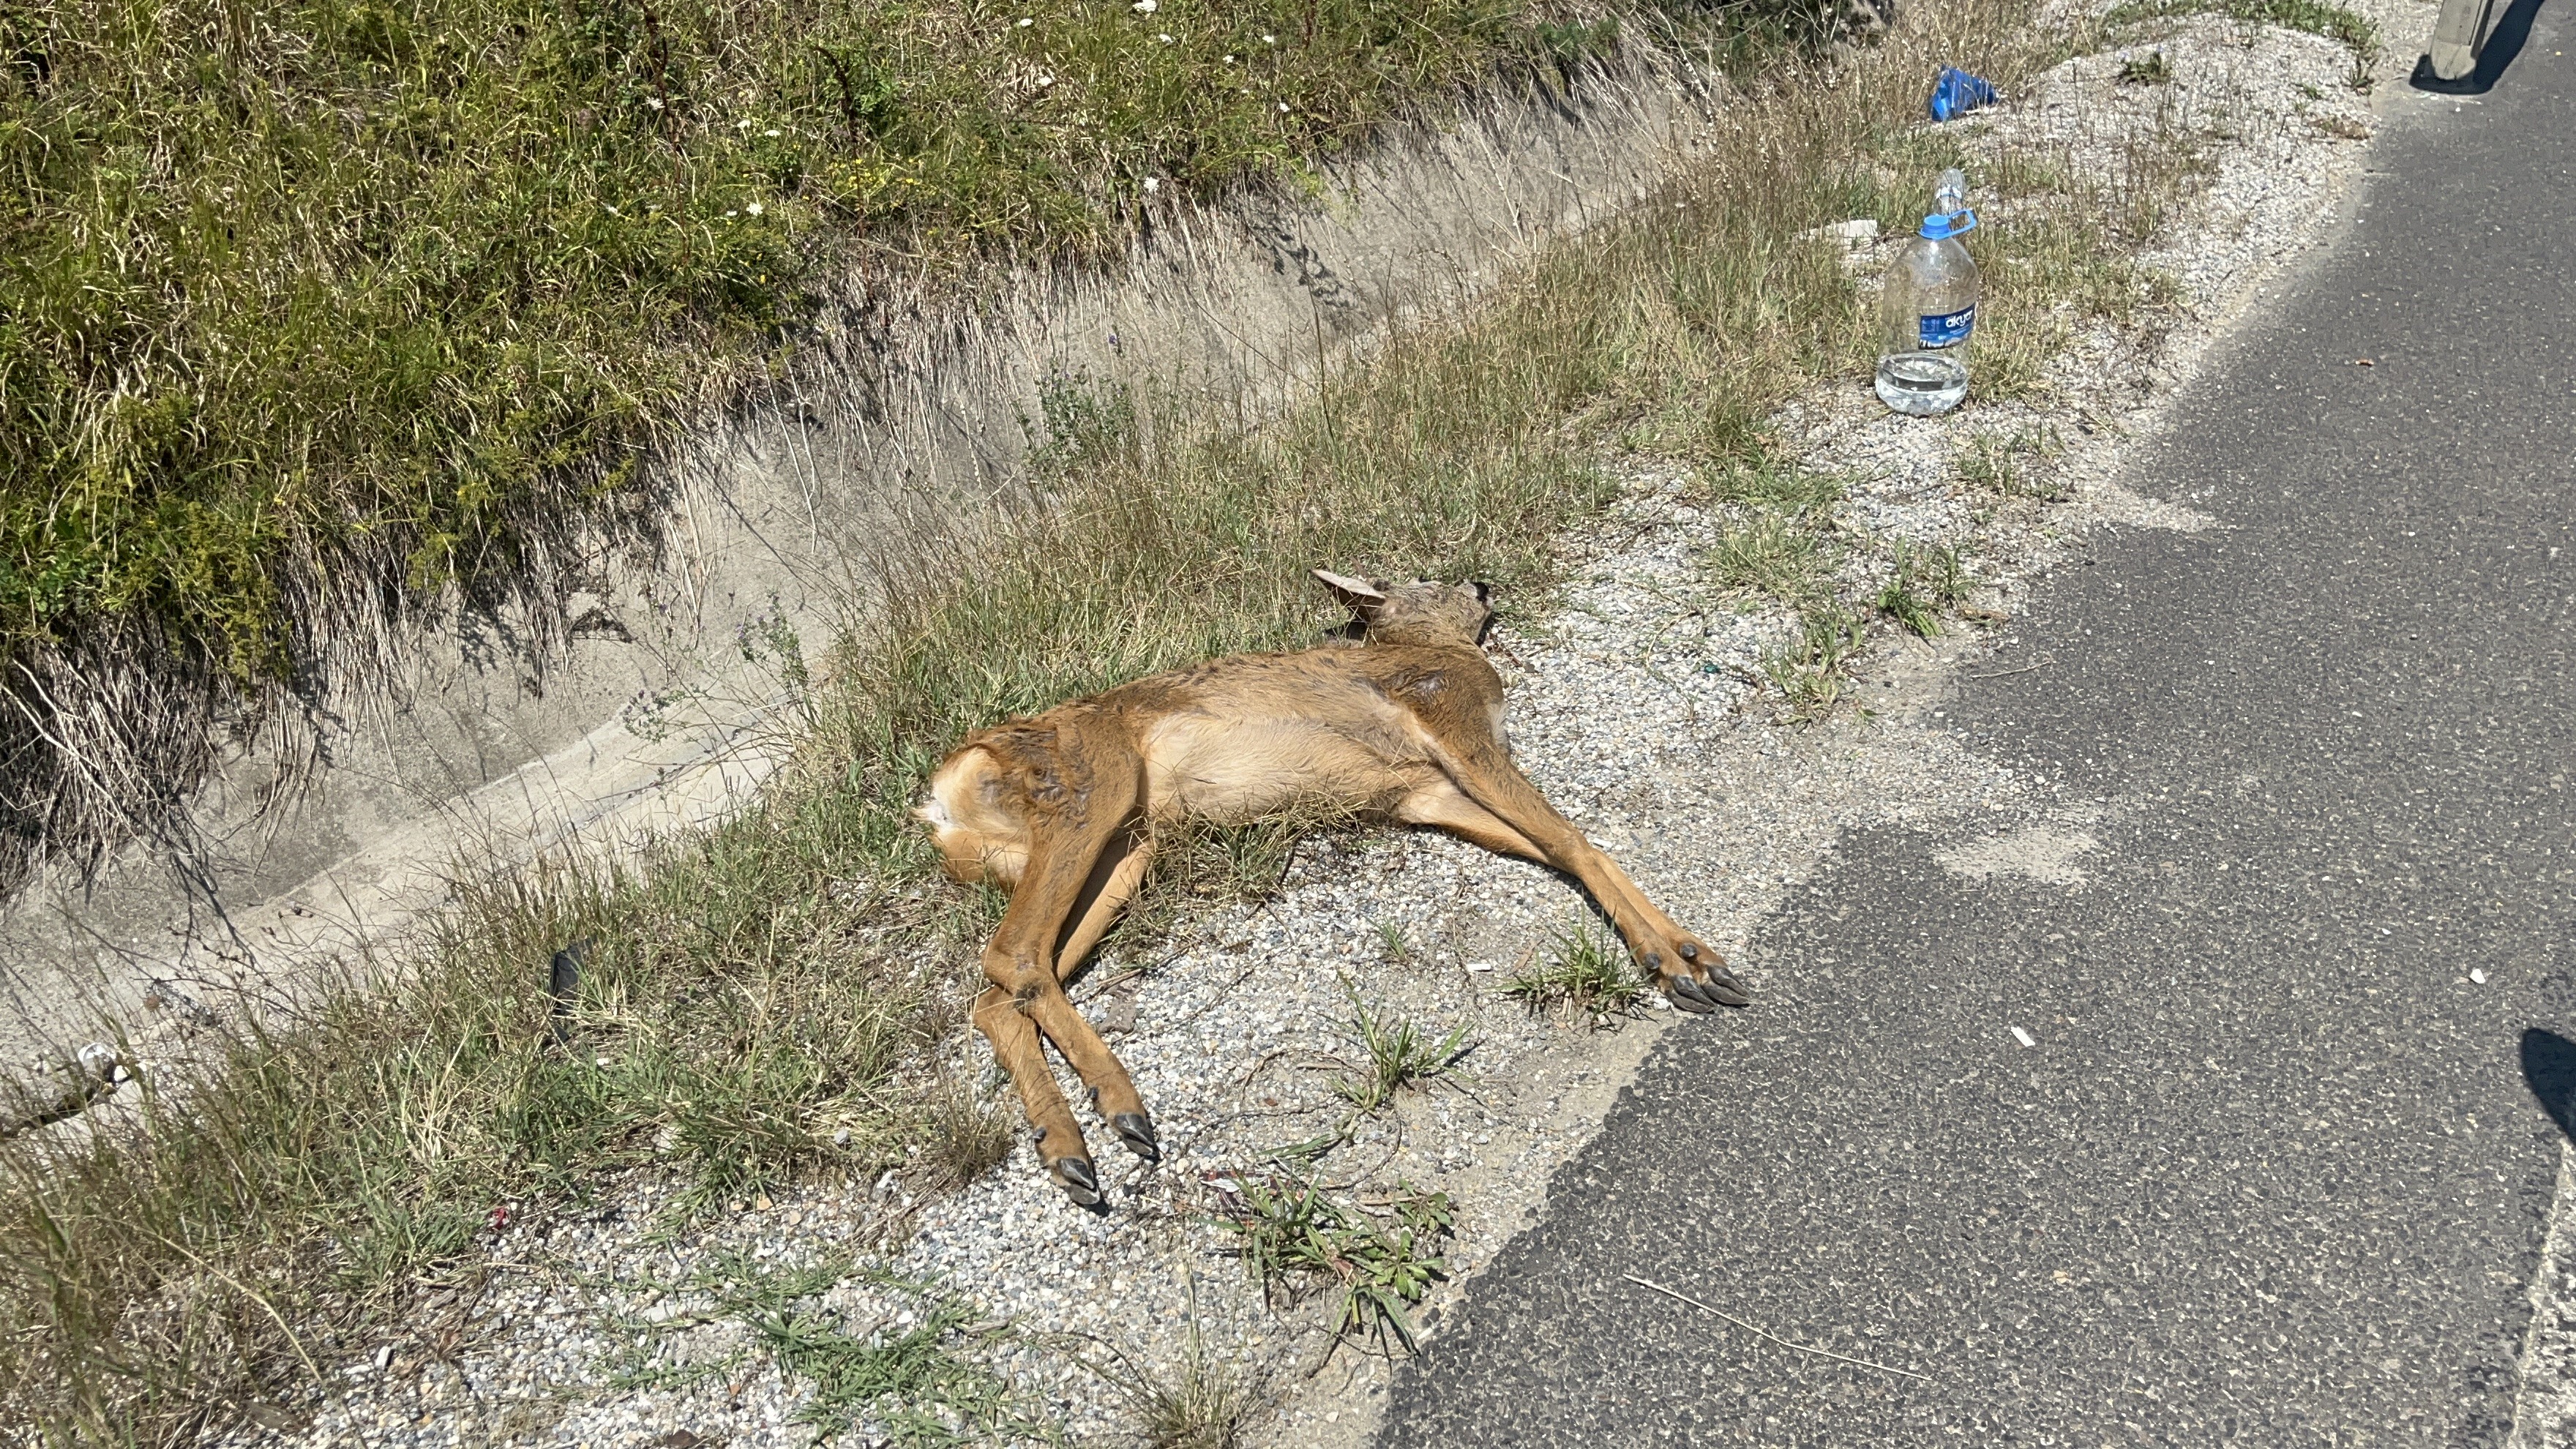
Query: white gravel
[(1635, 707)]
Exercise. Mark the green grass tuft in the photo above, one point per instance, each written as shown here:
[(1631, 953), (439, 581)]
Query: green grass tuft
[(1291, 1236), (1920, 582), (1774, 556), (1762, 483), (1813, 668), (1583, 976), (1400, 1056), (921, 1385)]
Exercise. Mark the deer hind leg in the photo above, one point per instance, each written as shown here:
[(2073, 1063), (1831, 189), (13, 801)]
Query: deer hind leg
[(1016, 1046), (1026, 996), (1112, 1091), (1443, 806), (1117, 878), (1693, 976)]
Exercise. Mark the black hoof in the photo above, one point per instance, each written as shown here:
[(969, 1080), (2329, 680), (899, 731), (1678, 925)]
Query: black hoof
[(1080, 1182), (1690, 996), (1725, 991), (1137, 1131)]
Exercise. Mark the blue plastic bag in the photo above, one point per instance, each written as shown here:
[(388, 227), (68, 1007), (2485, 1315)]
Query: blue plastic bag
[(1955, 91)]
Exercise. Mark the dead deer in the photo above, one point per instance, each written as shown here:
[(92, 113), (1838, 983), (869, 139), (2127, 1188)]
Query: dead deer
[(1403, 722)]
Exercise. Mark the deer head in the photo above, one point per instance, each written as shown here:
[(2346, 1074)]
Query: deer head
[(1421, 612)]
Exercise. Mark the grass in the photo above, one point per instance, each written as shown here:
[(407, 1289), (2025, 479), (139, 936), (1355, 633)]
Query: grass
[(921, 1385), (2049, 268), (1399, 1056), (1392, 940), (2316, 17), (323, 313), (1584, 975), (1813, 668), (1763, 482), (1203, 1405), (2004, 464), (1292, 1237), (1200, 865), (767, 1001), (1783, 558), (1203, 1408), (1920, 582), (2152, 69)]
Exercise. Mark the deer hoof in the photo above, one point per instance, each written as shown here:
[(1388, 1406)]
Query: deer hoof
[(1709, 995), (1080, 1182), (1137, 1131)]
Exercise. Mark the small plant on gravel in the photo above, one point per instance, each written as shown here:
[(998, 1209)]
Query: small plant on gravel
[(1390, 937), (1898, 600), (1812, 668), (2151, 69), (918, 1384), (1768, 484), (1919, 581), (1583, 975), (921, 1386), (2003, 464), (1202, 1406), (1291, 1235), (1946, 576), (1771, 555), (968, 1137), (1400, 1056), (1990, 467)]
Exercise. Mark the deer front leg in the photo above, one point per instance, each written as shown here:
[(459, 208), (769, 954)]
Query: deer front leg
[(1500, 809)]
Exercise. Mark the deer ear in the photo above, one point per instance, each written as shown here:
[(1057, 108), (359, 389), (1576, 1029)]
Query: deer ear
[(1363, 597)]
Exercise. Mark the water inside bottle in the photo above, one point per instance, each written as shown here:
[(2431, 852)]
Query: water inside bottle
[(1919, 384)]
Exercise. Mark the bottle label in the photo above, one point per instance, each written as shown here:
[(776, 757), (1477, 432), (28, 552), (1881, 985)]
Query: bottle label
[(1948, 330)]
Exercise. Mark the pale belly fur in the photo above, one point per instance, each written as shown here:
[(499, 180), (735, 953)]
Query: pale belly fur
[(1234, 769)]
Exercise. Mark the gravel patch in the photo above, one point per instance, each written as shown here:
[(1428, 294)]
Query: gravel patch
[(2544, 1413), (1637, 703)]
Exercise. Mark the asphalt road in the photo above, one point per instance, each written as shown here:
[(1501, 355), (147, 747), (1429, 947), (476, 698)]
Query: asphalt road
[(2273, 1173)]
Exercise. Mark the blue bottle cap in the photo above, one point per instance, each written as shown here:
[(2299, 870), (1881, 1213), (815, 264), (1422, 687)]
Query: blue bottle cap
[(1942, 225)]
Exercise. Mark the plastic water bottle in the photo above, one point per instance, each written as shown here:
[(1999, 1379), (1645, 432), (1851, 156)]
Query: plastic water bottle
[(1928, 309)]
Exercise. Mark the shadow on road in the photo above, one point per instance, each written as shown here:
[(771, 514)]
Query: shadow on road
[(2503, 44), (2549, 1069)]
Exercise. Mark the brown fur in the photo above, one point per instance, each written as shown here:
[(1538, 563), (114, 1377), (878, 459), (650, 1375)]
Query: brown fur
[(1406, 724)]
